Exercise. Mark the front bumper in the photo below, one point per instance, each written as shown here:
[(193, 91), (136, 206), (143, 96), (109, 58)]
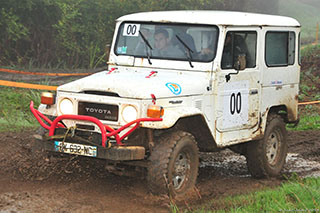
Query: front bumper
[(106, 131)]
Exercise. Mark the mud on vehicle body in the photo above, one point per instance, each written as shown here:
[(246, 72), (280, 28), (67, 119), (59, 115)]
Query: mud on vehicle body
[(178, 83)]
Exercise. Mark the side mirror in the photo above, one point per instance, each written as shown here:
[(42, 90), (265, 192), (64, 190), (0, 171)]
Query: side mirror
[(239, 65), (241, 62)]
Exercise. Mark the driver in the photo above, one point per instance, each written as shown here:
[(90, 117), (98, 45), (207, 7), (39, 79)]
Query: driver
[(163, 46)]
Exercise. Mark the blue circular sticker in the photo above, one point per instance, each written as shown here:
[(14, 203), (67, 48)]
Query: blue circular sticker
[(174, 88)]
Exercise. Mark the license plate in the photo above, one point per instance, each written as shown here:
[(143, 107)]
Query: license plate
[(73, 148)]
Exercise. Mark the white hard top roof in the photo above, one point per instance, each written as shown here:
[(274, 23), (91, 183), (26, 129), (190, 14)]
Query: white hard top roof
[(212, 18)]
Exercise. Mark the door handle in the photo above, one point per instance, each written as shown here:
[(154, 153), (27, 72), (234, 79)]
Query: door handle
[(253, 92)]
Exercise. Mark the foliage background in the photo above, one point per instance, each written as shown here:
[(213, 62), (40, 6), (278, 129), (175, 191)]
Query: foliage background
[(74, 33)]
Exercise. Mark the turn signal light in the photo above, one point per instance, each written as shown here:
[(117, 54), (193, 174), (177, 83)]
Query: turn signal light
[(47, 98), (155, 111)]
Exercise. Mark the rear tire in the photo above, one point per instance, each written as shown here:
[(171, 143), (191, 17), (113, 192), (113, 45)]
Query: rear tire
[(173, 165), (266, 157)]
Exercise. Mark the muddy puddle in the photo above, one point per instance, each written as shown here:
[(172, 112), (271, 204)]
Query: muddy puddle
[(229, 163), (30, 183)]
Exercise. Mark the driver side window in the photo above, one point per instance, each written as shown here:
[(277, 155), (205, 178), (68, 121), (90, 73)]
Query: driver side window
[(239, 43)]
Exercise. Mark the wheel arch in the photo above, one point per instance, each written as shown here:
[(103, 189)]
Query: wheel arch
[(280, 110), (287, 114), (198, 127)]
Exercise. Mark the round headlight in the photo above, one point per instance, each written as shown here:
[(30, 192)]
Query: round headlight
[(66, 106), (129, 113)]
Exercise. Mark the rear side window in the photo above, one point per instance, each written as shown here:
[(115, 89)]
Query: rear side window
[(280, 48)]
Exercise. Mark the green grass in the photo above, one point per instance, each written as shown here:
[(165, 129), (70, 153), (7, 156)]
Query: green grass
[(294, 195), (308, 122), (14, 108)]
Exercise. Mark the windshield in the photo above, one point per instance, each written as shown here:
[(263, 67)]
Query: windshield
[(167, 41)]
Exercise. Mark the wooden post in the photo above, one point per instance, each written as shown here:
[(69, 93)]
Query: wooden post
[(317, 33)]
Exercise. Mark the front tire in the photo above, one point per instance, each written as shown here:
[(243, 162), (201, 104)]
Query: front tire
[(266, 157), (173, 165)]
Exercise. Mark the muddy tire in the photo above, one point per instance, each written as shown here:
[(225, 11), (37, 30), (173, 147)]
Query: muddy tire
[(266, 157), (174, 163)]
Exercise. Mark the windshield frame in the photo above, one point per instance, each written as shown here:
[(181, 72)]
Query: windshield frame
[(121, 25)]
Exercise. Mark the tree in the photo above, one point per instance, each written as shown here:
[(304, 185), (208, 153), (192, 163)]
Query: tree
[(74, 33)]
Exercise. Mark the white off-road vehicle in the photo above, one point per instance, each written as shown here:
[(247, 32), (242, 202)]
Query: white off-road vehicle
[(181, 82)]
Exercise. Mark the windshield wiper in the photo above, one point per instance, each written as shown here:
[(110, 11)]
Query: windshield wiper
[(147, 45), (189, 50)]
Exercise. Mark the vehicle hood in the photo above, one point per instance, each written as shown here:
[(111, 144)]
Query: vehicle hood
[(141, 84)]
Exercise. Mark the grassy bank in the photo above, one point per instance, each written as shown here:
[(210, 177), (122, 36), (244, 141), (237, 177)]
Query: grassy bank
[(14, 108), (295, 195), (308, 121)]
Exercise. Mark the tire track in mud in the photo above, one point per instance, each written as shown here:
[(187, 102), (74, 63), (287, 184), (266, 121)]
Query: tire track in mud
[(35, 182)]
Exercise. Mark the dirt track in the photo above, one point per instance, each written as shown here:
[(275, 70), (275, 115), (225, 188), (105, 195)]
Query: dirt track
[(34, 183), (45, 79)]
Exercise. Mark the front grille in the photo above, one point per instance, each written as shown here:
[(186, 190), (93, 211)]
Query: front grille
[(106, 112), (94, 92)]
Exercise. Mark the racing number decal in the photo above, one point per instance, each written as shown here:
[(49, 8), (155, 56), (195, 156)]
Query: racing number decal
[(131, 29), (235, 103)]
